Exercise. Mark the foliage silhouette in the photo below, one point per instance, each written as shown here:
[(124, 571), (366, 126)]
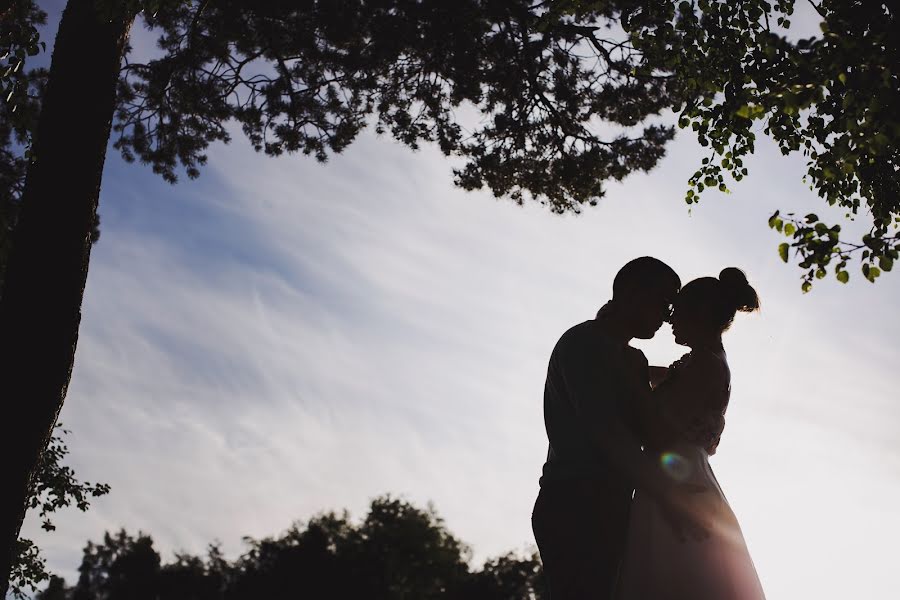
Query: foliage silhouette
[(561, 104), (56, 590), (834, 98), (55, 487), (397, 552)]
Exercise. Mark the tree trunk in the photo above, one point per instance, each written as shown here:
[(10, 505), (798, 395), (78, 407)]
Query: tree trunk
[(41, 305)]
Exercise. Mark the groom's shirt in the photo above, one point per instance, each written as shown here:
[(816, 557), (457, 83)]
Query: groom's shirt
[(587, 383)]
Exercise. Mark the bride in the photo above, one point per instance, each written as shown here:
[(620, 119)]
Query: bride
[(682, 420)]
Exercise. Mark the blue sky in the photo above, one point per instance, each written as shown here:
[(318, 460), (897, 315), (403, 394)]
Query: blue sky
[(282, 337)]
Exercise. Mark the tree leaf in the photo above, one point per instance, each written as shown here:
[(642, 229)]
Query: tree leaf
[(874, 272)]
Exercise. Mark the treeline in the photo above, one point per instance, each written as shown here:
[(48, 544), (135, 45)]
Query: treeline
[(397, 552)]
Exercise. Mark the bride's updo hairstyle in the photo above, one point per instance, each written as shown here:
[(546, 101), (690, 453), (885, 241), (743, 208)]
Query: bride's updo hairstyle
[(716, 301)]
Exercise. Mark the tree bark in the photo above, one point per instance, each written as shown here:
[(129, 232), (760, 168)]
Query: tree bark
[(40, 310)]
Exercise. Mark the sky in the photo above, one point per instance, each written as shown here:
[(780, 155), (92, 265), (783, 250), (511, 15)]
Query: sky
[(280, 338)]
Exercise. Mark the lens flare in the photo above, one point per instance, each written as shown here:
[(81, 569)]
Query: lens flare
[(675, 466)]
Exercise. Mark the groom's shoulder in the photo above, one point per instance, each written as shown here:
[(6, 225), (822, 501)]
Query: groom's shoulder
[(579, 335), (585, 328), (635, 354)]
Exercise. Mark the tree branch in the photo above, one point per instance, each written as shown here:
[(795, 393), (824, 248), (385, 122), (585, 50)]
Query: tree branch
[(817, 8)]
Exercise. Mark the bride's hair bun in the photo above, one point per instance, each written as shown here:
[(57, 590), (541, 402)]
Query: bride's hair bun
[(738, 290), (716, 300)]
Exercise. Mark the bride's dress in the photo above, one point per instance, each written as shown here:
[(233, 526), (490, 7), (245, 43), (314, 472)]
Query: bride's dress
[(658, 565)]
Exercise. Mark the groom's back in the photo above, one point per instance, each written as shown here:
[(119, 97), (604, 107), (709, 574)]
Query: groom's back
[(584, 381)]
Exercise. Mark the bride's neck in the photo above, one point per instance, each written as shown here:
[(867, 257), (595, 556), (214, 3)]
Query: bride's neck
[(713, 343)]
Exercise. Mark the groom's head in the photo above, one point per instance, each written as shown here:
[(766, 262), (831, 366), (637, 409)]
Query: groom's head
[(643, 291)]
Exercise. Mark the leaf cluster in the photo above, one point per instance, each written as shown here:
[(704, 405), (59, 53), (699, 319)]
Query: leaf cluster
[(20, 90), (19, 40), (834, 98), (526, 97), (54, 487)]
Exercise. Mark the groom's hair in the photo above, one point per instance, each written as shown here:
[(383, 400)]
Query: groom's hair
[(644, 273)]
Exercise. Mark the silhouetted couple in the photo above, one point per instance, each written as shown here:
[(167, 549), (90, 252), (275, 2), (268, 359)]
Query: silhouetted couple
[(619, 428)]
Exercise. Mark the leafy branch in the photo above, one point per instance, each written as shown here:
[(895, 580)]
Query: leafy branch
[(55, 487), (834, 98), (818, 246)]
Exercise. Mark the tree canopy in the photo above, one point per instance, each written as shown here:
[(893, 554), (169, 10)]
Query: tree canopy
[(543, 75), (834, 98), (309, 76), (398, 551), (547, 80)]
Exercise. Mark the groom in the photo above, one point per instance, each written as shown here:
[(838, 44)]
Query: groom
[(595, 461)]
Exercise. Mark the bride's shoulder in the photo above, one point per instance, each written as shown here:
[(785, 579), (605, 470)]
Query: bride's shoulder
[(680, 364), (703, 363)]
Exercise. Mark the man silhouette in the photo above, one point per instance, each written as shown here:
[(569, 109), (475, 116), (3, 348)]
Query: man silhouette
[(594, 460)]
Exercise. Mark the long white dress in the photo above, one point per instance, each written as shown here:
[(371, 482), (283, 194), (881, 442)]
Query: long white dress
[(657, 564)]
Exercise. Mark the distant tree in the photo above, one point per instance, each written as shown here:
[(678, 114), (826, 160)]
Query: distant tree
[(194, 578), (56, 590), (299, 562), (405, 552), (123, 567), (507, 577), (398, 552)]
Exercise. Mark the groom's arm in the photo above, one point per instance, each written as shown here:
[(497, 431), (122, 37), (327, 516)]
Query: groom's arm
[(594, 381), (656, 427)]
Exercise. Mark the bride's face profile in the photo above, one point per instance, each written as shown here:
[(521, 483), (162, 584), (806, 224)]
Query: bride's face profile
[(687, 327), (678, 326), (698, 315)]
